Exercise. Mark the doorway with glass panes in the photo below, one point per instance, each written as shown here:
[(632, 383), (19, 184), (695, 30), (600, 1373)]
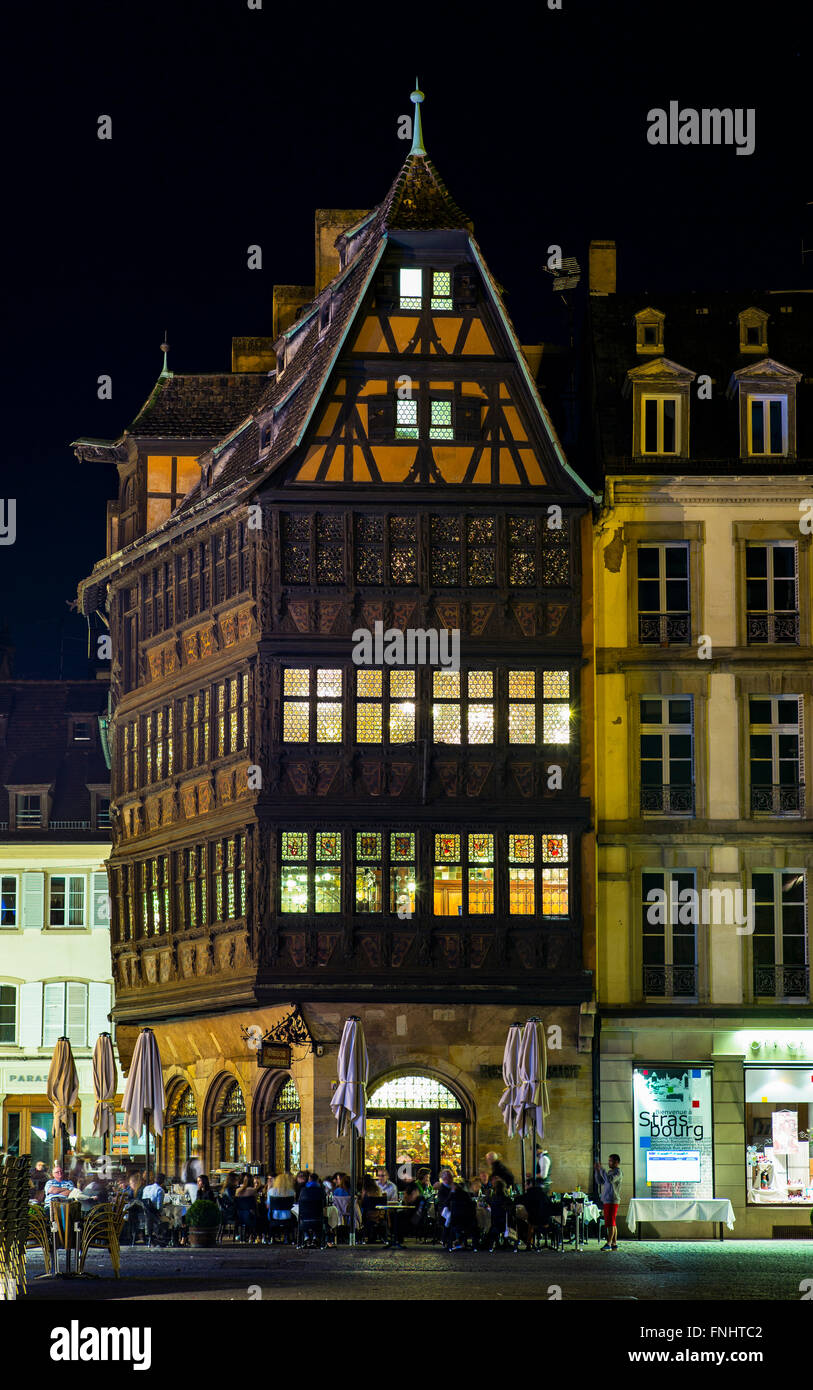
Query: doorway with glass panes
[(28, 1128), (414, 1122)]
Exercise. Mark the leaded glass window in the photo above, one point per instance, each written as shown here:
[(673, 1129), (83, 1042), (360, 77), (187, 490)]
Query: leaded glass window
[(445, 557), (403, 884), (330, 548), (410, 280), (441, 290), (463, 700), (294, 871), (369, 550), (413, 1093), (297, 712), (296, 548), (480, 714), (385, 700), (521, 550), (440, 422), (481, 873), (403, 545), (406, 419), (288, 1096), (521, 707), (328, 873), (481, 550), (555, 556), (521, 875)]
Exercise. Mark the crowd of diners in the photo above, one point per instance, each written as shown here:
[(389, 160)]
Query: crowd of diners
[(480, 1213)]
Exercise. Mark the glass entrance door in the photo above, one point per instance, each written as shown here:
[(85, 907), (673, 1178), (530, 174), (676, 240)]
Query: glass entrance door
[(42, 1136)]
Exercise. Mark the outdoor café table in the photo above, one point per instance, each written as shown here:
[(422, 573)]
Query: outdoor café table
[(717, 1209), (390, 1208)]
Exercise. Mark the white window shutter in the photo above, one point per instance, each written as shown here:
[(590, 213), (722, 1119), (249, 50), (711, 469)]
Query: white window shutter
[(77, 1014), (100, 906), (53, 1023), (33, 898), (98, 1009), (29, 1032)]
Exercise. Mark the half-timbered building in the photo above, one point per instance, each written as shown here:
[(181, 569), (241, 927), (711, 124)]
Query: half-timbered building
[(349, 684)]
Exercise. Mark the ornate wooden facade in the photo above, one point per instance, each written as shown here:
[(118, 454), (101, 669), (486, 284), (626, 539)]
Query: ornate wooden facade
[(289, 821)]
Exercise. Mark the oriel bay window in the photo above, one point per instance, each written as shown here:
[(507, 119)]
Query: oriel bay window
[(312, 548), (312, 705), (524, 872), (385, 706), (463, 705), (232, 715), (667, 762), (663, 594), (776, 755), (311, 871), (229, 877), (669, 934), (779, 940), (464, 874), (380, 857), (772, 592)]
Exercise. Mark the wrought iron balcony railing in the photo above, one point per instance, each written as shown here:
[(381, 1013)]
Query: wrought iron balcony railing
[(782, 982), (786, 800), (772, 627), (664, 629), (670, 981), (667, 801)]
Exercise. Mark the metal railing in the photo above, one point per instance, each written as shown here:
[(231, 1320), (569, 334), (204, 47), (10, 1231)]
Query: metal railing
[(670, 981), (782, 981), (664, 629), (772, 627), (667, 801), (778, 800)]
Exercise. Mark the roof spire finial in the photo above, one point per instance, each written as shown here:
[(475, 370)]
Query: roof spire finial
[(417, 133), (165, 350)]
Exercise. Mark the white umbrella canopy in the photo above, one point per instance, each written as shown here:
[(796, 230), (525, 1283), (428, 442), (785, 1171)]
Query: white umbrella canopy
[(532, 1103), (63, 1084), (145, 1086), (104, 1086), (349, 1100), (510, 1059)]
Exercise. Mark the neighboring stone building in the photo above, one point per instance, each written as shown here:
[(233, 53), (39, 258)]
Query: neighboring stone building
[(703, 417), (55, 974), (297, 819)]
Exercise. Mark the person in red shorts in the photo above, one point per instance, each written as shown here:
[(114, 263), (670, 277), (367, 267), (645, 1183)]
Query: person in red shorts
[(610, 1179)]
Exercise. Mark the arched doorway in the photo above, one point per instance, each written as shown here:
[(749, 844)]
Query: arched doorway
[(282, 1126), (417, 1119), (229, 1145), (181, 1134)]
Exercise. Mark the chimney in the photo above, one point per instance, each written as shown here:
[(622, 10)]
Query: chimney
[(252, 355), (329, 223), (288, 300), (602, 267)]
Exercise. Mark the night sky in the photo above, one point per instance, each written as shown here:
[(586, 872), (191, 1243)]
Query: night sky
[(231, 125)]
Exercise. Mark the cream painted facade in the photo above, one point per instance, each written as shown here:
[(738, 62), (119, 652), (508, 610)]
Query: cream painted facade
[(60, 976), (724, 842)]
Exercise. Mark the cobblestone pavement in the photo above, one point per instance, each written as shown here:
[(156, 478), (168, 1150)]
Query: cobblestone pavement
[(643, 1270)]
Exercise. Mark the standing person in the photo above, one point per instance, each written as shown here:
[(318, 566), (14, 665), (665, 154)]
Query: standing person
[(610, 1179), (499, 1170), (501, 1212), (312, 1203), (190, 1173)]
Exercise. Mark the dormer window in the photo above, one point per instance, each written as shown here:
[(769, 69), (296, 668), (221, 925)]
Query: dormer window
[(767, 395), (649, 331), (29, 810), (324, 317), (410, 280), (660, 404), (753, 330), (81, 731), (442, 289)]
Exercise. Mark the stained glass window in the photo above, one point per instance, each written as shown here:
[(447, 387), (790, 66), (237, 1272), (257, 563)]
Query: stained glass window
[(447, 848), (406, 419), (329, 683), (296, 681), (403, 550), (368, 888), (402, 844), (481, 873), (368, 722), (556, 723), (445, 535), (368, 844), (555, 892), (368, 684), (521, 550), (410, 286), (441, 289), (412, 1093), (295, 721), (481, 848), (440, 426), (521, 707), (446, 685), (556, 685), (295, 844), (328, 846), (328, 896), (287, 1097), (554, 849), (480, 550), (521, 849)]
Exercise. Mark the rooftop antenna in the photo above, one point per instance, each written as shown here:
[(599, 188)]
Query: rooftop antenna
[(165, 350), (417, 133)]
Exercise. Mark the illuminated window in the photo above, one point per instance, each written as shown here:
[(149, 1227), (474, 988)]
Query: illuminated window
[(402, 872), (521, 550), (555, 712), (481, 550), (402, 706), (481, 873), (369, 871), (555, 872), (660, 424), (521, 875), (448, 877), (521, 707), (229, 877), (294, 871), (446, 706), (328, 873), (231, 1140), (442, 290), (463, 700), (480, 712), (296, 712), (464, 874), (441, 426), (196, 904), (445, 550), (406, 419), (385, 700), (410, 285), (369, 703), (767, 424)]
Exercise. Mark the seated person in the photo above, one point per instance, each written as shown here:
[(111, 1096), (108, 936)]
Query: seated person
[(372, 1201), (462, 1218), (389, 1190), (245, 1201), (424, 1182), (39, 1177), (312, 1204), (538, 1208), (279, 1198), (57, 1187)]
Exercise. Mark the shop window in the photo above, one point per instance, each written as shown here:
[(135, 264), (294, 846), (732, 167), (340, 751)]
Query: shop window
[(673, 1131), (775, 755), (778, 1117), (669, 934), (772, 592), (414, 1122), (667, 757)]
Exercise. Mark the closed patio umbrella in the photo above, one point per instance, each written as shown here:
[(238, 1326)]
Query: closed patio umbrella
[(104, 1088), (532, 1092), (508, 1099), (349, 1100), (62, 1089), (144, 1091)]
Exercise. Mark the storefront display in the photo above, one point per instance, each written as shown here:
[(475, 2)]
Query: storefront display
[(779, 1166), (673, 1132)]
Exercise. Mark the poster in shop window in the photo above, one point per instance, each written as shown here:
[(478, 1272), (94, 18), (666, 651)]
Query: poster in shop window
[(673, 1132)]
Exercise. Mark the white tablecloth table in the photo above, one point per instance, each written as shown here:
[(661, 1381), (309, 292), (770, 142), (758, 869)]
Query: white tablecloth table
[(718, 1209)]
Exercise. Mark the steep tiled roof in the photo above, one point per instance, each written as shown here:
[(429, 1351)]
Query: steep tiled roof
[(198, 406), (706, 343), (420, 200), (37, 749)]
